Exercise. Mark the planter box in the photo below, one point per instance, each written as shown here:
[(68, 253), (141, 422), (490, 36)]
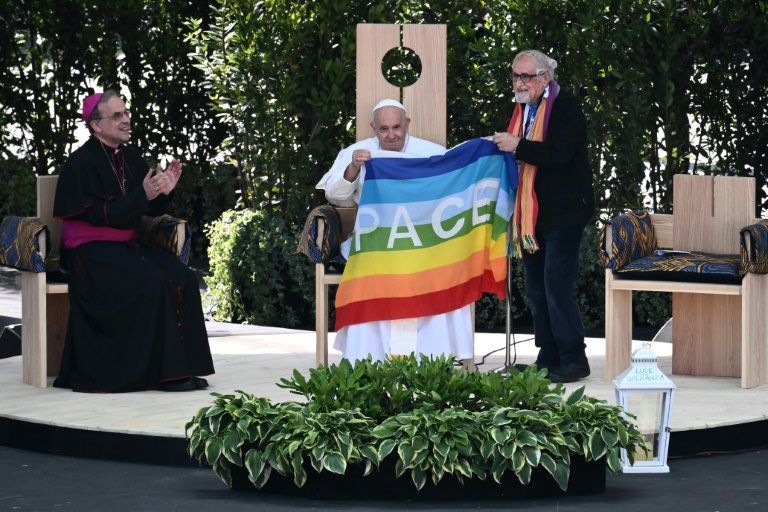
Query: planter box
[(586, 478)]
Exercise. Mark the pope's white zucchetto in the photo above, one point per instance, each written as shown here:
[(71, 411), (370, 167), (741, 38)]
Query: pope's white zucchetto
[(388, 103)]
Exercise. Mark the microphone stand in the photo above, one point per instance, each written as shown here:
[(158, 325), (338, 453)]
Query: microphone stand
[(508, 338)]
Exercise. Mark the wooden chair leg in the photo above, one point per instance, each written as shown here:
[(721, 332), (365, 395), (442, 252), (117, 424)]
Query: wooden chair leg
[(754, 331), (33, 330), (469, 363), (321, 316), (618, 329)]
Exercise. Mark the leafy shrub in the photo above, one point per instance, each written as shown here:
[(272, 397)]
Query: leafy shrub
[(432, 419), (401, 385), (256, 276), (284, 433), (203, 193), (383, 390)]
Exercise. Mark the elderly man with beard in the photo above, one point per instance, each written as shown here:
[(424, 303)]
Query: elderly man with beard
[(555, 201)]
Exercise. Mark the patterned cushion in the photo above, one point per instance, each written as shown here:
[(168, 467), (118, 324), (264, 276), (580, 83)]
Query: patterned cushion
[(20, 244), (633, 238), (694, 267), (320, 238), (755, 237), (163, 231)]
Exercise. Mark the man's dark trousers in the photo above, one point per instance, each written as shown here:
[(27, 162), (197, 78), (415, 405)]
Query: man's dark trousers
[(550, 285)]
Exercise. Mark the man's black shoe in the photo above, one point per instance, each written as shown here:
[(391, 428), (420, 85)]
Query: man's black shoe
[(178, 385), (521, 367), (200, 383), (569, 373)]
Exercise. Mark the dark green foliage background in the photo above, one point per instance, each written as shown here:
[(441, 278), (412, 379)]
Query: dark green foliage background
[(257, 97)]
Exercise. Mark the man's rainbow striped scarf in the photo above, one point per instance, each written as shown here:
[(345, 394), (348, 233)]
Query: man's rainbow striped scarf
[(527, 207), (430, 234)]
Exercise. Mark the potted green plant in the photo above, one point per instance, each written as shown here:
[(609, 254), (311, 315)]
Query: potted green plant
[(412, 420)]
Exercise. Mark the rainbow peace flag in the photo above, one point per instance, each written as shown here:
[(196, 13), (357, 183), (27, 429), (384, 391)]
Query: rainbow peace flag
[(430, 235)]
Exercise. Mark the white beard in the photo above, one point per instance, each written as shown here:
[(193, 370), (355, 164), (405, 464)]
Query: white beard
[(523, 97)]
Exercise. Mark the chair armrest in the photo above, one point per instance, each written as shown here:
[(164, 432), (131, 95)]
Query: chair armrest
[(754, 248), (169, 233), (626, 238), (320, 239), (23, 244)]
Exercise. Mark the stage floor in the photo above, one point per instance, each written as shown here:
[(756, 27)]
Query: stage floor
[(254, 359)]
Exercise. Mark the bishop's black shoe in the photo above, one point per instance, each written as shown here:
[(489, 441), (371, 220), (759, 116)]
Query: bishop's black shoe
[(187, 384)]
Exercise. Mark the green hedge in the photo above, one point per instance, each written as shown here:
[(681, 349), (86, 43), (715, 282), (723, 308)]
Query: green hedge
[(264, 102), (256, 276), (18, 195)]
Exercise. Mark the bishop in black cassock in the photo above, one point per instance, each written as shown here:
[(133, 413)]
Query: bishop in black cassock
[(136, 320)]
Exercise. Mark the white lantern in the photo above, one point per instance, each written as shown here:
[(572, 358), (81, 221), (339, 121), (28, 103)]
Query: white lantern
[(643, 390)]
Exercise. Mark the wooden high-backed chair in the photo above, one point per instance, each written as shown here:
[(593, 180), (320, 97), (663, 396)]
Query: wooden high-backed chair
[(718, 329), (44, 305), (425, 103)]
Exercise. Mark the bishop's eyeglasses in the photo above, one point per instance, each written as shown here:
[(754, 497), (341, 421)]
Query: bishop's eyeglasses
[(117, 116)]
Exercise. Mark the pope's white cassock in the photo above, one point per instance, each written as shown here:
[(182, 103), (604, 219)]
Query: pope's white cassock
[(448, 333)]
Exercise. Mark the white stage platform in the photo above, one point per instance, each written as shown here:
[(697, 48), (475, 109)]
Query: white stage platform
[(254, 362)]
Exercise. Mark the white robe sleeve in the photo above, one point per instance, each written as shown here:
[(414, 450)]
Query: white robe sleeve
[(338, 190)]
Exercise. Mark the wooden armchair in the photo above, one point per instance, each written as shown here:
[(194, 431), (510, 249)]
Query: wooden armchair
[(324, 279), (45, 304), (720, 324)]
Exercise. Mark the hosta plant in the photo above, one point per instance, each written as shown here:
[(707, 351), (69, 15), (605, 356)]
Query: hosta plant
[(429, 418)]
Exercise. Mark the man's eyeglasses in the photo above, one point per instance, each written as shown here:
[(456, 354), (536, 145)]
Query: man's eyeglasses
[(117, 116), (525, 77)]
